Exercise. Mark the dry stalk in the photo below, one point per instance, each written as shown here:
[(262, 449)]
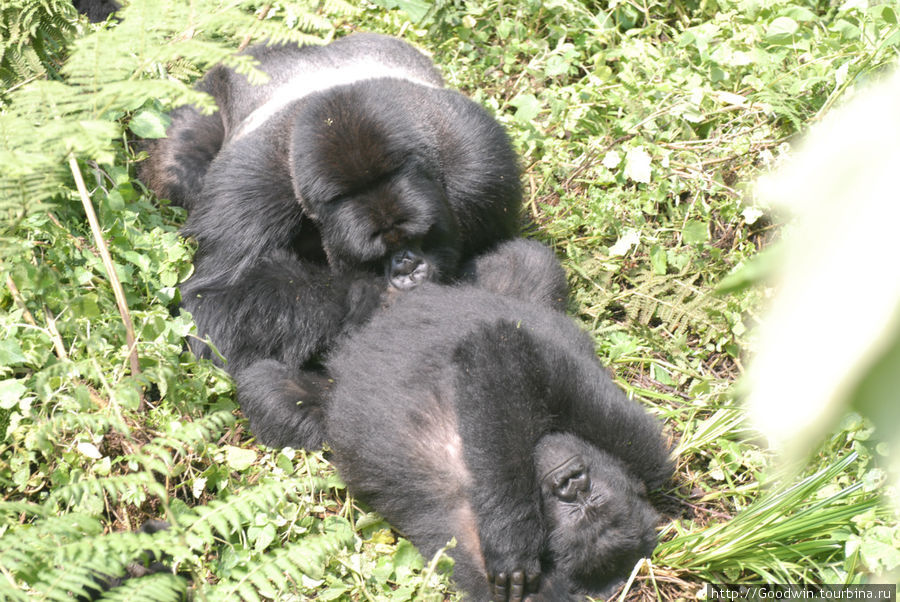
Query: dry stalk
[(110, 270)]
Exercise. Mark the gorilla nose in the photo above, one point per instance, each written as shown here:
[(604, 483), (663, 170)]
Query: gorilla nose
[(407, 269), (577, 484)]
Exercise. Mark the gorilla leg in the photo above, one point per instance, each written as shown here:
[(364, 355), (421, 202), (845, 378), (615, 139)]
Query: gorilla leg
[(399, 451), (177, 164), (498, 442), (284, 406)]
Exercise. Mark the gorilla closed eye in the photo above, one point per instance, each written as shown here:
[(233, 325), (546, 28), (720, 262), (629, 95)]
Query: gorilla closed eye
[(390, 229)]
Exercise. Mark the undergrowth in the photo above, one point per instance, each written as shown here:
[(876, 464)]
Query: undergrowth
[(640, 126)]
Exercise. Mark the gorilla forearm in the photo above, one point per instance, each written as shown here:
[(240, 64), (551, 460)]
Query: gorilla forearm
[(260, 314)]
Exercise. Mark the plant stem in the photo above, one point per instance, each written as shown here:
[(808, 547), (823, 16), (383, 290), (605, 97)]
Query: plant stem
[(110, 270)]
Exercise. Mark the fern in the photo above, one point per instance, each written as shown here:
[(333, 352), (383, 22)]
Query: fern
[(63, 424), (282, 569), (226, 517), (676, 301), (159, 587), (114, 70), (26, 550), (32, 38), (57, 556), (117, 487), (160, 455)]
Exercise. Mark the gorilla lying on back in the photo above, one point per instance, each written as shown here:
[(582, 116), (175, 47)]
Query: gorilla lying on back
[(478, 412), (351, 169)]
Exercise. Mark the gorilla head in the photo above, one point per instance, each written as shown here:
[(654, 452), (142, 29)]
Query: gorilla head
[(599, 522), (370, 176)]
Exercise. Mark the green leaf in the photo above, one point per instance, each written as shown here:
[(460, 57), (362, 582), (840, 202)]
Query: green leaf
[(11, 392), (658, 259), (885, 13), (115, 201), (782, 30), (149, 123), (11, 353), (527, 107), (695, 232), (407, 558), (238, 458)]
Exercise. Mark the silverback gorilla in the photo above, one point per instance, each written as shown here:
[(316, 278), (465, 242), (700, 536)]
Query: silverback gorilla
[(350, 170), (479, 413)]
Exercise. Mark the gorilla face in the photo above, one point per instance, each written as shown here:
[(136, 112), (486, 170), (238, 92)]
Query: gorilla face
[(371, 180), (599, 520)]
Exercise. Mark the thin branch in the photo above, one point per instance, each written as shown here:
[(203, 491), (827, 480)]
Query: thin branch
[(110, 270), (58, 347), (263, 13), (54, 334), (17, 297)]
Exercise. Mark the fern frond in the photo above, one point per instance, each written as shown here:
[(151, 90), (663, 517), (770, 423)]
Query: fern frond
[(25, 549), (62, 557), (282, 569), (226, 517), (33, 36), (160, 454), (61, 424), (116, 487), (158, 587), (12, 511), (676, 301)]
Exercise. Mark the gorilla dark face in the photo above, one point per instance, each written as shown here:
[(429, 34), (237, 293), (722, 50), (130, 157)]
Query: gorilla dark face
[(598, 517), (370, 179)]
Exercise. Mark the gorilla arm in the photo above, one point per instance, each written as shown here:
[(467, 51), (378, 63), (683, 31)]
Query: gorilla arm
[(586, 402), (500, 418)]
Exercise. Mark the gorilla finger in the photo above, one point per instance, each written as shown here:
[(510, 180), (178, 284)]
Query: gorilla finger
[(517, 587), (532, 582), (500, 588)]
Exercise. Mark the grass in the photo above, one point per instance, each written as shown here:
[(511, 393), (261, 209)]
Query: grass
[(641, 127)]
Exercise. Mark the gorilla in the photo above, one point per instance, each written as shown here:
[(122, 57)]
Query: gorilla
[(270, 390), (480, 412), (352, 171), (96, 10)]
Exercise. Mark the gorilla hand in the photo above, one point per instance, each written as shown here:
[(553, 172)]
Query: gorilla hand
[(407, 269), (512, 587)]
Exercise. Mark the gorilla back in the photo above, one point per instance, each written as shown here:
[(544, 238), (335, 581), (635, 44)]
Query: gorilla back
[(477, 412), (353, 156)]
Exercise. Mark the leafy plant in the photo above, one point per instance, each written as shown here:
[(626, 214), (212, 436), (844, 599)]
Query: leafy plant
[(639, 125)]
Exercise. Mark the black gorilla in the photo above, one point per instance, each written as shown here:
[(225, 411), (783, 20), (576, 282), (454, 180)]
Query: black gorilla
[(270, 390), (96, 10), (479, 413), (351, 169)]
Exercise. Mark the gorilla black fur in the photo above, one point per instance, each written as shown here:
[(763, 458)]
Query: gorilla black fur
[(96, 10), (461, 412), (352, 169)]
